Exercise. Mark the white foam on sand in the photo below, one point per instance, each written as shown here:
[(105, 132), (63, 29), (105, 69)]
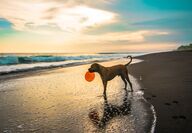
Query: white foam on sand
[(144, 111)]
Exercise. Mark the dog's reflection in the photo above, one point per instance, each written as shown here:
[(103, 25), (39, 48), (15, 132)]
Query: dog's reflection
[(110, 111)]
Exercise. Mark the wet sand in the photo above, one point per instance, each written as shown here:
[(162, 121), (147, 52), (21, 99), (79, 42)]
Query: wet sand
[(61, 100), (166, 79)]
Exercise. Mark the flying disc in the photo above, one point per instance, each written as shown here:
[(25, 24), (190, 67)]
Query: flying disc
[(89, 76)]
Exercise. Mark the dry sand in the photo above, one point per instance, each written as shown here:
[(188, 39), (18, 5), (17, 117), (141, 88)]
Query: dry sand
[(167, 82)]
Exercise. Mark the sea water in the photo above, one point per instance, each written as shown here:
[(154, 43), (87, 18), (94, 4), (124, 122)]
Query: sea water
[(10, 63)]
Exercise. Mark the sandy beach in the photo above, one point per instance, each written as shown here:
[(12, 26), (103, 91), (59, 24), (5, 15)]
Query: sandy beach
[(47, 48), (166, 79), (60, 100)]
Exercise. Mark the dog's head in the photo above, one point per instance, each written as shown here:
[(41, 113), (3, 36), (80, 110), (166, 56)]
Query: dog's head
[(94, 68)]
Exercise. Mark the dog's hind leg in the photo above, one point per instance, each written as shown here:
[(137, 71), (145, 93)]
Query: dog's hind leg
[(130, 85), (127, 78), (123, 78)]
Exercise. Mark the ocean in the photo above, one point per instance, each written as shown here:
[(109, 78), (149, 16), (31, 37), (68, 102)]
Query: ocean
[(14, 63)]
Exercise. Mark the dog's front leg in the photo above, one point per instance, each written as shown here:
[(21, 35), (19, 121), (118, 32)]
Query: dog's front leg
[(105, 87)]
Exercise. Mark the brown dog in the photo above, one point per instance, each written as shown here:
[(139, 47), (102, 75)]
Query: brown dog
[(108, 73)]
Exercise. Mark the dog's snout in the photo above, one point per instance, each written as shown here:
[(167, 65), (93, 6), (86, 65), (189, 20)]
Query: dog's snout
[(89, 70)]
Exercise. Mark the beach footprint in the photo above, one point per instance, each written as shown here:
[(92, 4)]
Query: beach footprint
[(182, 117), (148, 98), (179, 117), (168, 104), (175, 102)]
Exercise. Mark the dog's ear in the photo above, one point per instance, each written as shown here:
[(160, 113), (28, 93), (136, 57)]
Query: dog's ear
[(97, 66)]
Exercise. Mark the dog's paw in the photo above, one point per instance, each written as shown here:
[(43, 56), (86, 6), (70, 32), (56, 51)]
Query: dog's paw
[(125, 89)]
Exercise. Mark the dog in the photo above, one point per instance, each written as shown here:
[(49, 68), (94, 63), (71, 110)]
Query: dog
[(108, 73)]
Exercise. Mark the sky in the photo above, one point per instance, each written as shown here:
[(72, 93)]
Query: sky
[(92, 26)]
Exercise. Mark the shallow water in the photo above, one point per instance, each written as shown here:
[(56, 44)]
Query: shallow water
[(62, 101)]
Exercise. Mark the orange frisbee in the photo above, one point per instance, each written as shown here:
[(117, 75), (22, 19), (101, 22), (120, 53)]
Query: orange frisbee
[(89, 76)]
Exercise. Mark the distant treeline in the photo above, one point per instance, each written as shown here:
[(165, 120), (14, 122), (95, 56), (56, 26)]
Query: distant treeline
[(185, 47)]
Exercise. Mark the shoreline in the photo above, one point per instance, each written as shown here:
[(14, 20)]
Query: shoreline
[(166, 79), (34, 71), (151, 118)]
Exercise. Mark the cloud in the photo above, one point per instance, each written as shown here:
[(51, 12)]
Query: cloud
[(144, 47), (54, 15), (70, 25), (80, 2), (126, 37)]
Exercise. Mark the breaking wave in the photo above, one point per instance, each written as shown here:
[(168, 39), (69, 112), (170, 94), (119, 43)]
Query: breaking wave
[(21, 63)]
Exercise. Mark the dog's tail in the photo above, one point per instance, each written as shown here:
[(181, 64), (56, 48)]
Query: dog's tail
[(129, 61)]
